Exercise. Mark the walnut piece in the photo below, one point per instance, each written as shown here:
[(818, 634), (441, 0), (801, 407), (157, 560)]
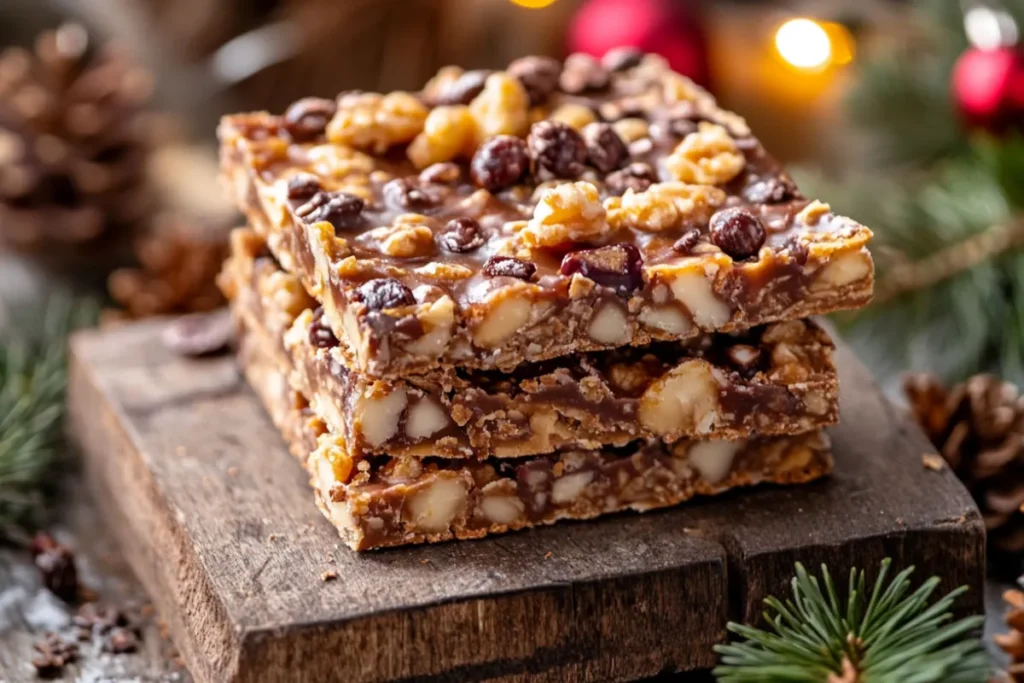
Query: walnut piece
[(447, 133), (501, 109), (609, 326), (380, 415), (706, 157), (570, 212), (568, 488), (425, 418), (681, 402), (575, 115), (435, 506), (814, 212), (502, 321), (375, 122), (407, 238), (663, 206), (713, 459)]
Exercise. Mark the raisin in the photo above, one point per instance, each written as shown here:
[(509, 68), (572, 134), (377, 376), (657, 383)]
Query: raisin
[(738, 233), (618, 267), (605, 149), (306, 119), (538, 76), (686, 243), (557, 148), (772, 190), (320, 334), (500, 162), (303, 186), (637, 176), (464, 88), (340, 209), (506, 266), (407, 193), (581, 73), (383, 293), (462, 235), (622, 58)]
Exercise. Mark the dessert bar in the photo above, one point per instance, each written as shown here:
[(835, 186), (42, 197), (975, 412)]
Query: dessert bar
[(388, 501), (496, 218), (775, 379)]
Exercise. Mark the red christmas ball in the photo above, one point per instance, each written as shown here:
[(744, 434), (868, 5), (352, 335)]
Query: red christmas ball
[(988, 87), (670, 28)]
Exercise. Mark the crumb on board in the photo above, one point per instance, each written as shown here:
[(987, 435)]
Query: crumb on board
[(424, 561), (933, 461), (273, 537), (547, 555), (329, 575)]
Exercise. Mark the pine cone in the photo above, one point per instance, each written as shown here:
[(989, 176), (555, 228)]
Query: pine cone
[(978, 427), (73, 141), (1012, 643), (178, 265)]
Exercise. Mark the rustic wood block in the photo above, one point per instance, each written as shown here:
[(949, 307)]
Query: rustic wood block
[(219, 522)]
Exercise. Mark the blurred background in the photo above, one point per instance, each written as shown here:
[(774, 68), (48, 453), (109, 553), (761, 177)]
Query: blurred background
[(902, 114)]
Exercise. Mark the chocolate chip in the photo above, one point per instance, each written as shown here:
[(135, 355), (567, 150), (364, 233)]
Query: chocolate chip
[(772, 190), (618, 266), (637, 176), (462, 235), (444, 173), (581, 73), (464, 88), (538, 76), (383, 293), (737, 232), (557, 148), (605, 149), (686, 243), (306, 119), (408, 193), (500, 162), (622, 58), (321, 335), (56, 565), (121, 641), (303, 186), (199, 334), (340, 209), (499, 266)]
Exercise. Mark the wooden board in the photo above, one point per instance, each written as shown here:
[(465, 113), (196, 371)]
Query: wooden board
[(219, 522)]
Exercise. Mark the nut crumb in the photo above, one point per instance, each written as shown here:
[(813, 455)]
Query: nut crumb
[(424, 561), (329, 575), (933, 461), (547, 555), (272, 537)]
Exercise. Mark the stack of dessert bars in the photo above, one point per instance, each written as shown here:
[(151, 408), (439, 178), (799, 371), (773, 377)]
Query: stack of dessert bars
[(553, 292)]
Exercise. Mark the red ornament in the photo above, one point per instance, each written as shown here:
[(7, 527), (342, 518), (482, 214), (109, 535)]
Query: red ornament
[(988, 87), (670, 28)]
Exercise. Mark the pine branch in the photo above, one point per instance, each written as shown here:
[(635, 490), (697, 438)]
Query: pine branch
[(33, 376), (885, 635)]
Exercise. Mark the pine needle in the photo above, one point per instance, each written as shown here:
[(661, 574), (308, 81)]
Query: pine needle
[(892, 635)]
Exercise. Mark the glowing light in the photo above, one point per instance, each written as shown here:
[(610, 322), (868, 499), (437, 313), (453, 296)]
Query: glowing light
[(533, 4), (804, 44)]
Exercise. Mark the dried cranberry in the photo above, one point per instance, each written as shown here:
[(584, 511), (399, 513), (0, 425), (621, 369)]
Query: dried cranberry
[(320, 334), (56, 565), (444, 173), (408, 193), (464, 88), (306, 119), (605, 149), (557, 148), (772, 190), (383, 293), (618, 267), (581, 73), (340, 209), (500, 162), (738, 233), (538, 75), (622, 58), (637, 176), (506, 266), (303, 186), (686, 243), (462, 235)]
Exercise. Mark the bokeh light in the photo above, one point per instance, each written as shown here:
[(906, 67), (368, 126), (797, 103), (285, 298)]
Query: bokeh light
[(804, 43)]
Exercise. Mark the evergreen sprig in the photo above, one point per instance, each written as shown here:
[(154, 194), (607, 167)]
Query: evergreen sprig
[(33, 379), (883, 635)]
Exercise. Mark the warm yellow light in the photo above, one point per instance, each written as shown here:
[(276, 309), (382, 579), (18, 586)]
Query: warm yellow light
[(804, 44), (533, 4)]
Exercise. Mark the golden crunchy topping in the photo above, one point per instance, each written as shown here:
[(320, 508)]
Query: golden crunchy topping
[(663, 206), (575, 115), (629, 377), (814, 212), (445, 271), (447, 133), (707, 157), (332, 161), (408, 237), (501, 109), (570, 212), (376, 122), (631, 129), (442, 81), (679, 88)]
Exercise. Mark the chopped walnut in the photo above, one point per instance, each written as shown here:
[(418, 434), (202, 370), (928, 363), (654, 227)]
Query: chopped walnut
[(629, 377), (447, 133), (679, 88), (570, 212), (375, 122), (575, 115), (501, 109), (631, 129), (407, 238), (445, 271), (813, 212), (707, 157), (664, 206)]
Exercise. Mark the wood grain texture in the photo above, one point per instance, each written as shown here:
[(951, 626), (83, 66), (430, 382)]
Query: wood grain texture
[(218, 521)]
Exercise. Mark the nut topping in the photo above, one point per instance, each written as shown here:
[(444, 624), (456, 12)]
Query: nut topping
[(384, 293), (462, 235), (618, 267), (500, 162), (506, 266), (738, 233), (557, 148), (706, 157), (307, 118), (605, 149)]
